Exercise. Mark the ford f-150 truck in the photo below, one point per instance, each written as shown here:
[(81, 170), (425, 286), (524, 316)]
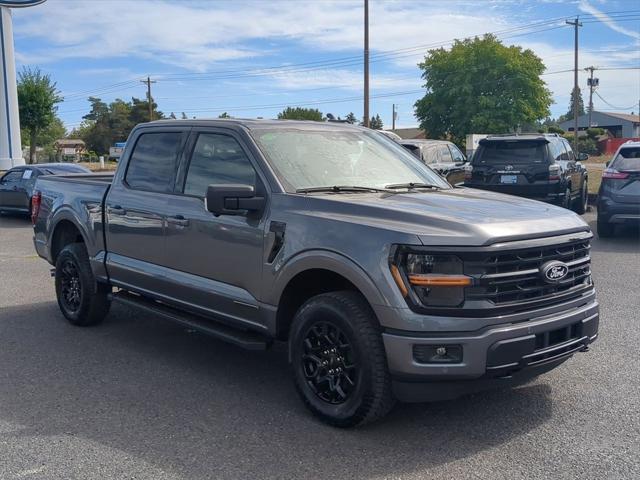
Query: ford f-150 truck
[(387, 283)]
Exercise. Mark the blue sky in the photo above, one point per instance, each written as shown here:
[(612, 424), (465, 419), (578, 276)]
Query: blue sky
[(254, 57)]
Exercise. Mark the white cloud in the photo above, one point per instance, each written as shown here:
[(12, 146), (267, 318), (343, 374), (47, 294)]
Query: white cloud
[(607, 20)]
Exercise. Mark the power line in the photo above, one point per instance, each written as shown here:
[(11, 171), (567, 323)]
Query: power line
[(613, 106)]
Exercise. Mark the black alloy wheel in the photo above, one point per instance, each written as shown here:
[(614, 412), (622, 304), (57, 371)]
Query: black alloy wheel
[(329, 363), (71, 287)]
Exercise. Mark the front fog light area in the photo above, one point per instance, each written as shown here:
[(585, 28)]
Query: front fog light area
[(437, 353)]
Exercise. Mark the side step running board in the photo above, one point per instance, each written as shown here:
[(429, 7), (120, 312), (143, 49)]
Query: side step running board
[(244, 339)]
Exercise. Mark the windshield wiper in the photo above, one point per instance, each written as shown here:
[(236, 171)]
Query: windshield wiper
[(340, 188), (411, 186)]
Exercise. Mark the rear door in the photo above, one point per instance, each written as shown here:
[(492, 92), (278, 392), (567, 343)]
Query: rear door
[(135, 211), (627, 163), (518, 167), (216, 260)]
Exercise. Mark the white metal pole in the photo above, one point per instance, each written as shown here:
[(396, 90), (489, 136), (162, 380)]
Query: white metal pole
[(10, 144)]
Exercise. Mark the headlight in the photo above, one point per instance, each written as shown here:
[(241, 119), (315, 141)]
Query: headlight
[(436, 280)]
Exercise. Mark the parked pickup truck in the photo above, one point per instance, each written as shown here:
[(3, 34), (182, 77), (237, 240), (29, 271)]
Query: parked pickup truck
[(386, 282)]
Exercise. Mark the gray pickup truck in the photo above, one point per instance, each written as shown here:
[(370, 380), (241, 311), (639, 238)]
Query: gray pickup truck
[(386, 282)]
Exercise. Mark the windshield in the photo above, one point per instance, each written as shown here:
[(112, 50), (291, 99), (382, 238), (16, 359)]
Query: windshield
[(510, 152), (325, 157), (627, 159)]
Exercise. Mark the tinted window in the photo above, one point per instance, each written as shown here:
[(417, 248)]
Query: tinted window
[(557, 151), (153, 162), (12, 178), (217, 159), (430, 155), (516, 152), (627, 159), (457, 155)]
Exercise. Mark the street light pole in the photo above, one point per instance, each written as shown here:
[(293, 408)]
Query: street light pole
[(366, 63), (575, 24)]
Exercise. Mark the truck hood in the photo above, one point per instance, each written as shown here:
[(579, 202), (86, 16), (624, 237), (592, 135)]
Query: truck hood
[(459, 216)]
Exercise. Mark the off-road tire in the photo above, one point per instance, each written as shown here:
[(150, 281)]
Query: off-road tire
[(371, 397), (566, 201), (92, 298)]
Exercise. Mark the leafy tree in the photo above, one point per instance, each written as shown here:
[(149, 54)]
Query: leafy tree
[(172, 116), (37, 99), (569, 114), (480, 85), (300, 113), (351, 118), (376, 123), (106, 124), (224, 115)]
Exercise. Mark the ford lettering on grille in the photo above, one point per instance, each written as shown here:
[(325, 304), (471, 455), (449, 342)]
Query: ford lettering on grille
[(554, 271)]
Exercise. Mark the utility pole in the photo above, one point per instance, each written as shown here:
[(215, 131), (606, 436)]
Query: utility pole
[(148, 81), (592, 83), (393, 118), (366, 63), (575, 24)]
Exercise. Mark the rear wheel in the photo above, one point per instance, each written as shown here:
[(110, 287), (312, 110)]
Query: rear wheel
[(81, 299), (605, 229), (580, 204), (338, 359)]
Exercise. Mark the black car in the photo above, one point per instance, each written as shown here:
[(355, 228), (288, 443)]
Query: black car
[(619, 194), (538, 166), (442, 156), (16, 185)]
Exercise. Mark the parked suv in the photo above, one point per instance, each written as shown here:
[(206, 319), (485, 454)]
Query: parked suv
[(542, 167), (442, 156), (619, 194), (386, 283)]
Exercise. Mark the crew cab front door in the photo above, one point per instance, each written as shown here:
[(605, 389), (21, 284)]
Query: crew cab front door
[(216, 260)]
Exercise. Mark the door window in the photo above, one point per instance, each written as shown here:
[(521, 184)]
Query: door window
[(217, 159), (556, 148), (445, 154), (431, 155), (153, 163), (570, 156), (457, 155), (11, 178)]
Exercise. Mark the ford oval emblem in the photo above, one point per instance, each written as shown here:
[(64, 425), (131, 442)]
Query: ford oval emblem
[(554, 271)]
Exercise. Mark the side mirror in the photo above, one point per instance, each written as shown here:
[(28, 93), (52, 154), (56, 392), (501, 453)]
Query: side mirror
[(232, 199), (582, 156)]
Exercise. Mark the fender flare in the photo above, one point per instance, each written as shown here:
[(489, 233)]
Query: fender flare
[(331, 261)]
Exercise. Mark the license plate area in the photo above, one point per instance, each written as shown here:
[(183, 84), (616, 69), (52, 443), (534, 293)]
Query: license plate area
[(509, 179)]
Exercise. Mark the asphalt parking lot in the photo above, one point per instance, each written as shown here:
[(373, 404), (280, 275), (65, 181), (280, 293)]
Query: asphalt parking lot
[(140, 398)]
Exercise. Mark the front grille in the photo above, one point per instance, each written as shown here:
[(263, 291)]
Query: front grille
[(513, 277)]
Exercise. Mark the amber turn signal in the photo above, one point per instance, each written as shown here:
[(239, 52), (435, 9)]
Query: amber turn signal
[(440, 280), (395, 273)]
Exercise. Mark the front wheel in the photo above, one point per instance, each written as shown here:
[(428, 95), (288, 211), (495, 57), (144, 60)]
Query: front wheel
[(338, 359), (81, 299)]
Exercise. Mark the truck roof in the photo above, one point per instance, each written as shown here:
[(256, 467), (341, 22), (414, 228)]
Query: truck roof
[(253, 123)]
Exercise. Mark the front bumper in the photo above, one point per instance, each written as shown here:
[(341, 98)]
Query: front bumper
[(499, 354)]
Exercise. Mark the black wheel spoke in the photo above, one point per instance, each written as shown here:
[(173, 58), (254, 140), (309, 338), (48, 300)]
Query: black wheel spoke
[(327, 355)]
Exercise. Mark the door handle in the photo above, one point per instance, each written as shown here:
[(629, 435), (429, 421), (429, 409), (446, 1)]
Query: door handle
[(117, 210), (178, 220)]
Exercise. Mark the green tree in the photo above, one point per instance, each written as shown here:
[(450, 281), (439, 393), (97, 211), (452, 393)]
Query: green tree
[(37, 99), (480, 85), (300, 113), (224, 115), (569, 114), (376, 123), (351, 118)]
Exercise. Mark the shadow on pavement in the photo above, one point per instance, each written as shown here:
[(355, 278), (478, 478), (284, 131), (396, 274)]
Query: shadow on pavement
[(14, 220), (189, 404)]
